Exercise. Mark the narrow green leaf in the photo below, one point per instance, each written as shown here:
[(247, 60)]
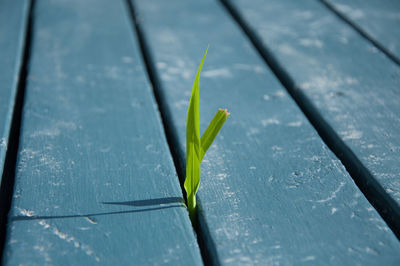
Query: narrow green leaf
[(212, 130), (196, 147), (193, 144)]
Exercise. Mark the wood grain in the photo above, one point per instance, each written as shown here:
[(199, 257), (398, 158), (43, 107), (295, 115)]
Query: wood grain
[(353, 86), (271, 191), (379, 20), (95, 182), (13, 20)]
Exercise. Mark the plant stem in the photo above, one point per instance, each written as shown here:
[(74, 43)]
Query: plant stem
[(191, 203)]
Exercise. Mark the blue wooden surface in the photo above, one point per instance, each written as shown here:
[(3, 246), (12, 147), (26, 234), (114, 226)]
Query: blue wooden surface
[(354, 86), (271, 191), (95, 182), (379, 19), (13, 19)]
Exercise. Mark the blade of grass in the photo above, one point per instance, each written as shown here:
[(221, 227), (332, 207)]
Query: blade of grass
[(196, 147), (212, 130), (193, 145)]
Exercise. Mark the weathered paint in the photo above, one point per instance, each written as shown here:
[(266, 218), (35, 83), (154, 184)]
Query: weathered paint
[(271, 192), (351, 83), (13, 20), (95, 182), (379, 19)]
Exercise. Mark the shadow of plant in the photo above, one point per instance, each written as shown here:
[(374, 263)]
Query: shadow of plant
[(159, 203)]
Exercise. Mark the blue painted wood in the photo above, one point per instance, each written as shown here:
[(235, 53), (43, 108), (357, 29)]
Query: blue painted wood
[(379, 19), (95, 182), (354, 86), (271, 192), (13, 19)]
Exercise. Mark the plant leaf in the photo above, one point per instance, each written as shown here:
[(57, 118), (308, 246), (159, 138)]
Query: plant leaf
[(193, 143), (212, 130)]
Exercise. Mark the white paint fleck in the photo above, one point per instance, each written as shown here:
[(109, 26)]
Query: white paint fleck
[(25, 212), (311, 43), (105, 149), (221, 176), (280, 93), (272, 260), (308, 258), (149, 147), (61, 235), (70, 239), (295, 124), (371, 251), (270, 121), (252, 167), (182, 103), (253, 68), (266, 97), (333, 210), (50, 132), (383, 228), (370, 209), (351, 81), (259, 69), (214, 73), (42, 250), (44, 224), (286, 49), (55, 130), (3, 142), (388, 190), (252, 131), (321, 82), (352, 134), (112, 72), (173, 70), (161, 65), (333, 194)]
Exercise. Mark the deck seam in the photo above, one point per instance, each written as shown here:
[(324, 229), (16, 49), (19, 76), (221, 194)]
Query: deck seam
[(8, 175), (362, 32), (205, 242), (368, 185)]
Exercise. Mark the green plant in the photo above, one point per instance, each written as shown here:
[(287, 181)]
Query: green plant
[(196, 147)]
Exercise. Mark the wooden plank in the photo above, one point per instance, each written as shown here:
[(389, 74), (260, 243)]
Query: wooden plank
[(271, 191), (13, 20), (95, 182), (378, 20), (352, 85)]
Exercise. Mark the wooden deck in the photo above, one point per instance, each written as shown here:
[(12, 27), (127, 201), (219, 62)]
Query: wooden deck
[(93, 101)]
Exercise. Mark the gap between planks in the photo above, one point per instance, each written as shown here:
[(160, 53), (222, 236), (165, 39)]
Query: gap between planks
[(372, 190), (362, 32), (206, 244), (8, 176)]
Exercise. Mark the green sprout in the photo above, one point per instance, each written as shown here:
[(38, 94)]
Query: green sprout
[(196, 147)]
